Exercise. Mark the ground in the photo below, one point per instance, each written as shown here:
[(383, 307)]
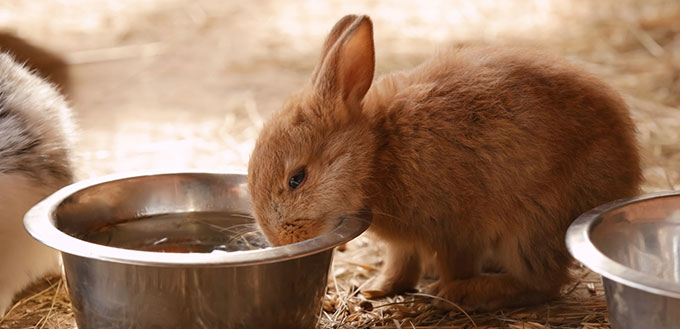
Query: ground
[(165, 84)]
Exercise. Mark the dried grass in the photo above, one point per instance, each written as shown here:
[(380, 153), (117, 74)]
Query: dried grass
[(44, 305), (582, 305)]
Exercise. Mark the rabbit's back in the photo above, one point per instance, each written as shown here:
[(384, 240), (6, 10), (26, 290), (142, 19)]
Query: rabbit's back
[(502, 133)]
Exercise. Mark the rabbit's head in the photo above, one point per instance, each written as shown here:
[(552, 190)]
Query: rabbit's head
[(313, 159)]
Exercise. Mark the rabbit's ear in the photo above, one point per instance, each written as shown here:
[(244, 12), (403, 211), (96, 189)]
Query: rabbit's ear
[(331, 39), (348, 67)]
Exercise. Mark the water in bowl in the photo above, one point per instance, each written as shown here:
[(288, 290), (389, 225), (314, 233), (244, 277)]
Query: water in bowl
[(198, 232)]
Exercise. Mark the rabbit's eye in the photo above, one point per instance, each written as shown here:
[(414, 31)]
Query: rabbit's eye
[(296, 180)]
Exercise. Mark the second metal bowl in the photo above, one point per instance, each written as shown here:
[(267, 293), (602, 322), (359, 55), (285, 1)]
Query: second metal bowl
[(635, 245)]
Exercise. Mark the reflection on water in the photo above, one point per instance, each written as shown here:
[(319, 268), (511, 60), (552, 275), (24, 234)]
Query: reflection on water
[(202, 232)]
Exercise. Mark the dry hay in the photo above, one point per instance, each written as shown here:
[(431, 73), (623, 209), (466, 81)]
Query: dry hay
[(582, 304), (633, 45), (44, 305)]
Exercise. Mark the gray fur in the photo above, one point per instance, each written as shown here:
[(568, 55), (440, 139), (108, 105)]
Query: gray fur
[(35, 161), (35, 129)]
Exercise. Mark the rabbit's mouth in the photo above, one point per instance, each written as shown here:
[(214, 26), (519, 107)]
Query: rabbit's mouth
[(301, 229), (297, 230)]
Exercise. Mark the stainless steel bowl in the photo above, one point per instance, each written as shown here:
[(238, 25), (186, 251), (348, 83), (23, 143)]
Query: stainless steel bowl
[(111, 287), (635, 245)]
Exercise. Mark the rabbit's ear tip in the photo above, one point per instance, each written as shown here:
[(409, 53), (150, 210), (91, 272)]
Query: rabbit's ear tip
[(357, 19), (365, 21), (349, 17)]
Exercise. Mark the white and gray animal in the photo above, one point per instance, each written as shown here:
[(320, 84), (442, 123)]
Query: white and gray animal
[(35, 160)]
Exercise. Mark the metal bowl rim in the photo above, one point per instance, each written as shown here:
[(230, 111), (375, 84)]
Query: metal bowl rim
[(583, 250), (38, 223)]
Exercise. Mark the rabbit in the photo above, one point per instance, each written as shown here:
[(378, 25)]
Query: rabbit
[(36, 137), (476, 161)]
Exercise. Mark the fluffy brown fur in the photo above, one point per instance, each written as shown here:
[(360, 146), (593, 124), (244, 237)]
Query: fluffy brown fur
[(479, 158)]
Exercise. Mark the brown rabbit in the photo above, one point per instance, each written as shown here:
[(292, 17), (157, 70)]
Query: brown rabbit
[(480, 157)]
